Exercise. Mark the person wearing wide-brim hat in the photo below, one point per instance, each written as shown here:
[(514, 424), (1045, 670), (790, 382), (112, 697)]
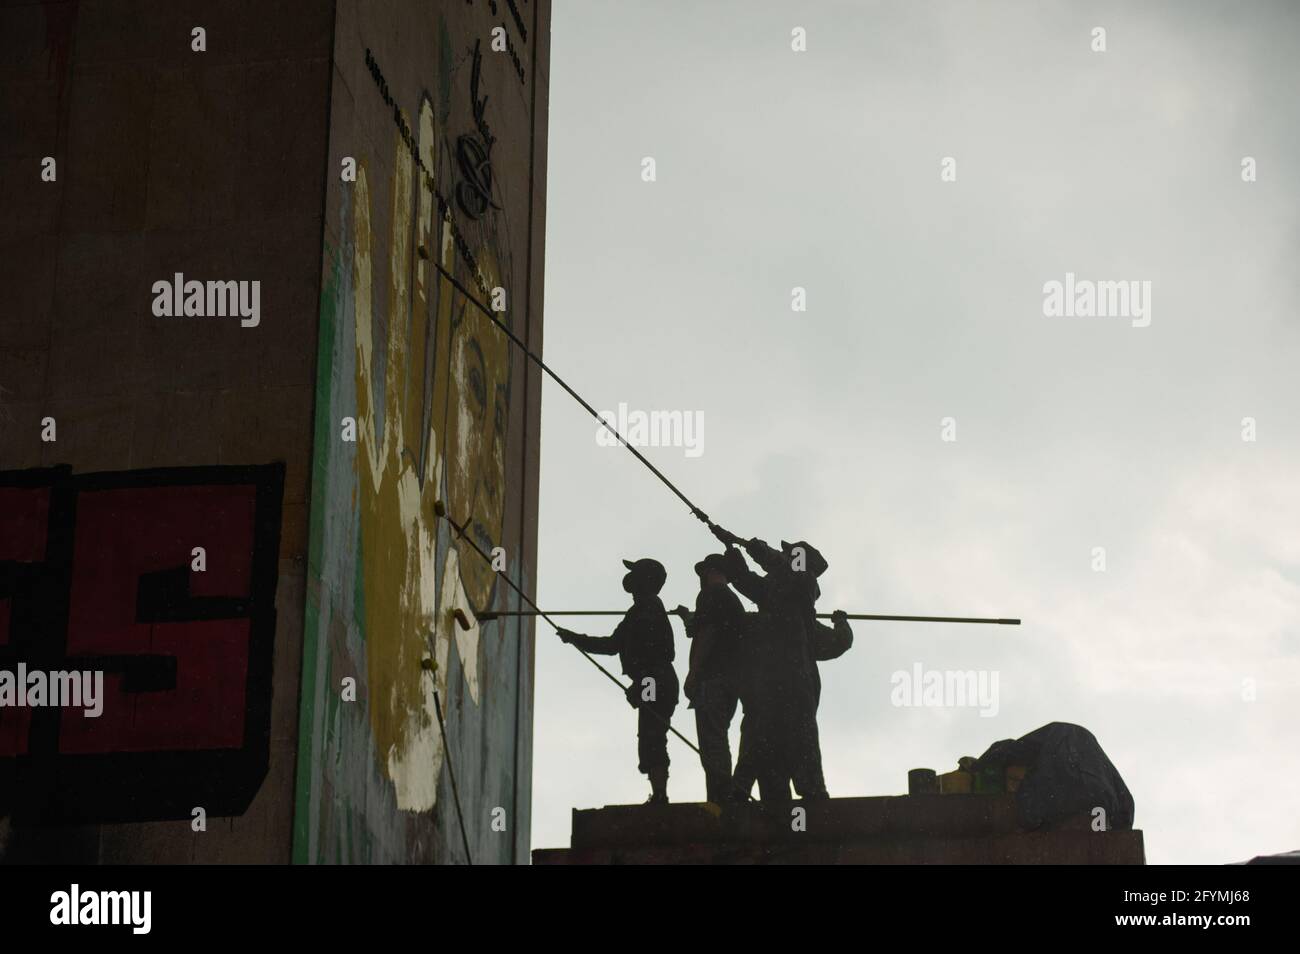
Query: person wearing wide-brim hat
[(644, 644), (784, 644), (712, 685)]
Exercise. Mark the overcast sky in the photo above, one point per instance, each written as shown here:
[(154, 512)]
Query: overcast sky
[(821, 169)]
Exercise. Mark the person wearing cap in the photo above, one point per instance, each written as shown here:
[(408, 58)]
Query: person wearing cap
[(712, 685), (643, 642)]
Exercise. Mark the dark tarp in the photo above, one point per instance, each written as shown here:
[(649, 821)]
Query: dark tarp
[(1067, 773)]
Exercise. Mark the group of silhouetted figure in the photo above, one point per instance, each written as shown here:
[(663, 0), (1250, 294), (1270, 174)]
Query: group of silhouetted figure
[(765, 661)]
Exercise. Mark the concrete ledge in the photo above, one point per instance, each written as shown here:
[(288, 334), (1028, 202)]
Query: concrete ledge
[(1032, 848), (904, 829), (621, 826)]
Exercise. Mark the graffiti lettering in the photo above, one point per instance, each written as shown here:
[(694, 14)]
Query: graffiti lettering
[(444, 207), (474, 191), (95, 574), (519, 21)]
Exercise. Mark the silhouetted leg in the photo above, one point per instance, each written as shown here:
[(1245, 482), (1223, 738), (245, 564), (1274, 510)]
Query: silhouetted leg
[(715, 707), (809, 781), (652, 746), (773, 787), (743, 778)]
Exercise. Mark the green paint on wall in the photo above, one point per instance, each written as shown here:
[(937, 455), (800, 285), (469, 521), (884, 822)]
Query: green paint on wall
[(316, 534)]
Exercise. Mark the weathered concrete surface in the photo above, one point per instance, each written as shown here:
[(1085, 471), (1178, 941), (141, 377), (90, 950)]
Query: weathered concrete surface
[(169, 160), (225, 165), (905, 829)]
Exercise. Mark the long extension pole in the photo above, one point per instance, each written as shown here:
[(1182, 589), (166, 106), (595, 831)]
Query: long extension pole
[(572, 393), (494, 614), (459, 530)]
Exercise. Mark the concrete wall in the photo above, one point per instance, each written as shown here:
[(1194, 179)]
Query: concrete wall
[(421, 399), (169, 160), (173, 432), (895, 830)]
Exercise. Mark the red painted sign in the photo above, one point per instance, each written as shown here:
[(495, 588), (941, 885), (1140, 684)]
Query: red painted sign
[(102, 572)]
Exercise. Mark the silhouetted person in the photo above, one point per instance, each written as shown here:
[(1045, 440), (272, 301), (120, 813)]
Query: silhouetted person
[(644, 644), (713, 683), (785, 685), (773, 693), (778, 736), (827, 642)]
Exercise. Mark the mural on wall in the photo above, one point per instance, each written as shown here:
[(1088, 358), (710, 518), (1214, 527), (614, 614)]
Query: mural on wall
[(97, 573), (422, 437), (427, 378)]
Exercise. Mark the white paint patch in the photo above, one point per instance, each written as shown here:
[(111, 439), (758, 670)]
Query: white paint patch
[(415, 770)]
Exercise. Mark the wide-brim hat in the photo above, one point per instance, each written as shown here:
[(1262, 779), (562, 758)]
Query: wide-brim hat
[(714, 561), (816, 562)]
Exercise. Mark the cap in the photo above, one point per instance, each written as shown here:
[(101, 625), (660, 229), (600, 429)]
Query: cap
[(648, 571)]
